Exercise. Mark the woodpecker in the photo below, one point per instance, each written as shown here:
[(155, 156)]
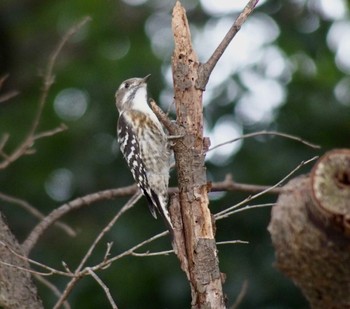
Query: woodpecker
[(144, 145)]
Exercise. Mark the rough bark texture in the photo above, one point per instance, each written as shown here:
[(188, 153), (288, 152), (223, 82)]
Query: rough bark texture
[(17, 290), (196, 234), (310, 231)]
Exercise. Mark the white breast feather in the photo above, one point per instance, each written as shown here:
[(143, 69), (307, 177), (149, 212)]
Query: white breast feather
[(140, 104)]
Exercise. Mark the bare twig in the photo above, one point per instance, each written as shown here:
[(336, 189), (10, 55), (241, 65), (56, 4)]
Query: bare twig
[(225, 213), (35, 212), (205, 69), (103, 264), (108, 251), (53, 288), (49, 270), (48, 80), (296, 138), (48, 76), (147, 254), (248, 207), (228, 184), (104, 287), (125, 208), (52, 132), (131, 250), (8, 95), (230, 242), (73, 205)]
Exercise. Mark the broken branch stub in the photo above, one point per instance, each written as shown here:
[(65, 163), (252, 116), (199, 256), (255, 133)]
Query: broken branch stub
[(310, 231)]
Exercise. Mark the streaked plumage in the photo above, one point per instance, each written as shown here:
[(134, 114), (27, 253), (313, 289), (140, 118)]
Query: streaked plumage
[(144, 144)]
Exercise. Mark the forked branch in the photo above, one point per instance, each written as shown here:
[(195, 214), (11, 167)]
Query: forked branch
[(205, 69)]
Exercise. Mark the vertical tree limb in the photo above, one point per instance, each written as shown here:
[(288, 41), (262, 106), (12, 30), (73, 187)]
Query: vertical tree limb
[(198, 236)]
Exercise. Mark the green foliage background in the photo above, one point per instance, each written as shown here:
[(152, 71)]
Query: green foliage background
[(30, 30)]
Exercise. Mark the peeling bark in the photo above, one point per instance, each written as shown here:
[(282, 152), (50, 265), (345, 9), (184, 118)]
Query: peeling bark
[(196, 233)]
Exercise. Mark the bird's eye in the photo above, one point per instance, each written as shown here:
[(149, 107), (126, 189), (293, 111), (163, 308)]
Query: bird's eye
[(126, 85)]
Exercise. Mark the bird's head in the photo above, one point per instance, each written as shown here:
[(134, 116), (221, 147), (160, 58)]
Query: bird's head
[(132, 92)]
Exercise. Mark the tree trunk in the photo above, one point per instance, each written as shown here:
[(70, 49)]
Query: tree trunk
[(17, 290), (198, 254)]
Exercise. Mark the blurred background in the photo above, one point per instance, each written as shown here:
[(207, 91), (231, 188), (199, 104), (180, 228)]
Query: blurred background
[(287, 70)]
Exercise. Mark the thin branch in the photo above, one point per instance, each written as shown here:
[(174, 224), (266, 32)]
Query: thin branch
[(131, 250), (8, 95), (107, 228), (34, 272), (296, 138), (224, 213), (50, 270), (108, 251), (248, 207), (52, 132), (78, 273), (104, 287), (205, 70), (147, 254), (53, 289), (230, 242), (48, 76), (36, 213), (48, 80), (171, 126), (72, 205), (228, 184)]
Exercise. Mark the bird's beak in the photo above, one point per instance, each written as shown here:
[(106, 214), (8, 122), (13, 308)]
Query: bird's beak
[(145, 79)]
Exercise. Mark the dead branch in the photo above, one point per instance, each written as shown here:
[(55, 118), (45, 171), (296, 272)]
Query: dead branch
[(52, 288), (49, 271), (227, 185), (104, 287), (34, 211), (228, 211), (26, 146), (62, 127), (77, 273), (125, 208), (205, 69), (273, 133), (148, 254), (8, 95), (72, 205)]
